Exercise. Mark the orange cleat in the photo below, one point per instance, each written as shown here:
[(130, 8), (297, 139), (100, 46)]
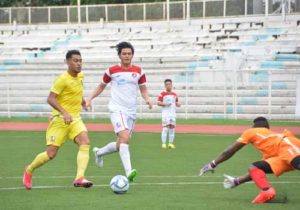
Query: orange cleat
[(265, 196), (82, 182), (27, 177)]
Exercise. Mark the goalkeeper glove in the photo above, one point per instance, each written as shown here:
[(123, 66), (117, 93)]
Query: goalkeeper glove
[(208, 167), (230, 182)]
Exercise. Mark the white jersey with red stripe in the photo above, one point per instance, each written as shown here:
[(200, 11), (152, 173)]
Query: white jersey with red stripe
[(168, 97), (124, 86)]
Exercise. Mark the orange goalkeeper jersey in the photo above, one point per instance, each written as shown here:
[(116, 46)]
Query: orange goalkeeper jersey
[(263, 139)]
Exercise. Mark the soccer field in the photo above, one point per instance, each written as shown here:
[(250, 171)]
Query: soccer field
[(167, 179)]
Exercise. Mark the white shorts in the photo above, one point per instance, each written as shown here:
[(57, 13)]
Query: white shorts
[(121, 121), (168, 120)]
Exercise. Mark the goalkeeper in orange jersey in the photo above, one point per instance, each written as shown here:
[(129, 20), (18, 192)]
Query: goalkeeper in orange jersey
[(281, 153), (66, 98)]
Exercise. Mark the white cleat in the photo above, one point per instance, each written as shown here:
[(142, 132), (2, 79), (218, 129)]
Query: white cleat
[(98, 158)]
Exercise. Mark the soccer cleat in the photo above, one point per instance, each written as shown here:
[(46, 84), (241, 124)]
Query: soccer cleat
[(131, 175), (171, 146), (82, 182), (164, 146), (98, 158), (27, 177), (265, 196)]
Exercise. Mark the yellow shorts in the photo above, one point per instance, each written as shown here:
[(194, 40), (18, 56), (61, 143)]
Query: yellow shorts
[(289, 148), (58, 132)]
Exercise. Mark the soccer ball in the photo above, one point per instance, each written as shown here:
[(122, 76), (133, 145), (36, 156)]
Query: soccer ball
[(119, 184)]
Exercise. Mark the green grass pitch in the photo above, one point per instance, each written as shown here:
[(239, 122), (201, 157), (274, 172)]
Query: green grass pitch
[(167, 179)]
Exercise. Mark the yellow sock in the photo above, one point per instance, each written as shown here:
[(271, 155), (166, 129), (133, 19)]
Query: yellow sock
[(82, 160), (39, 160)]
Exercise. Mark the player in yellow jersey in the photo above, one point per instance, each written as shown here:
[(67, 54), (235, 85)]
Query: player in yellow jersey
[(66, 98)]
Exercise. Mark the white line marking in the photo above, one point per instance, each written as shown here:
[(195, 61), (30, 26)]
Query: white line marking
[(139, 184), (107, 176), (104, 176)]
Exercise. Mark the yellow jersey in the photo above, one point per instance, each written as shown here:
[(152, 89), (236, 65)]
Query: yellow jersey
[(69, 92)]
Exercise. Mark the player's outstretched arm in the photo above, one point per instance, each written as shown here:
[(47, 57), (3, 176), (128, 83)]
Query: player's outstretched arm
[(208, 167), (97, 91), (225, 155), (231, 181)]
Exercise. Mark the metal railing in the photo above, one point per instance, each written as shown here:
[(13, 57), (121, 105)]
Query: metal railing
[(203, 93), (179, 10)]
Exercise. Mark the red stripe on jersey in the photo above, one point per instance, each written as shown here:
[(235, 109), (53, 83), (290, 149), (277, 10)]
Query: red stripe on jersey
[(117, 69), (123, 121), (164, 93), (142, 79), (106, 78)]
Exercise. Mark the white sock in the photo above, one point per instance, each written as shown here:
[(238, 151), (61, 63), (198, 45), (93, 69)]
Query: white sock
[(125, 157), (107, 149), (164, 134), (171, 135)]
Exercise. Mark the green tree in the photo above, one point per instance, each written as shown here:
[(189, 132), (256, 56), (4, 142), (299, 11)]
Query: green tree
[(15, 3), (48, 2), (74, 2), (6, 3)]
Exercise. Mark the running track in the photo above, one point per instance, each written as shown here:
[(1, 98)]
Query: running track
[(153, 128)]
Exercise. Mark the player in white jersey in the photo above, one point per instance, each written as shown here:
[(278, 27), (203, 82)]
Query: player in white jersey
[(168, 100), (125, 78)]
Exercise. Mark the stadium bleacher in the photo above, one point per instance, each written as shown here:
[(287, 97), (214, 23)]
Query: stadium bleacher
[(234, 69)]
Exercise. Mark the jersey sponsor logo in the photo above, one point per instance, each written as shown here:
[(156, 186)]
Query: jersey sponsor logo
[(121, 82), (52, 138), (168, 100)]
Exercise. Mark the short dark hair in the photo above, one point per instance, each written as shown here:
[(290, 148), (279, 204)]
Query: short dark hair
[(123, 45), (168, 80), (260, 122), (72, 52)]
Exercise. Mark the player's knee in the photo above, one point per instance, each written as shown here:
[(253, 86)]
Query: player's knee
[(165, 129), (124, 137), (124, 140), (51, 155), (82, 139), (52, 151), (296, 163)]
